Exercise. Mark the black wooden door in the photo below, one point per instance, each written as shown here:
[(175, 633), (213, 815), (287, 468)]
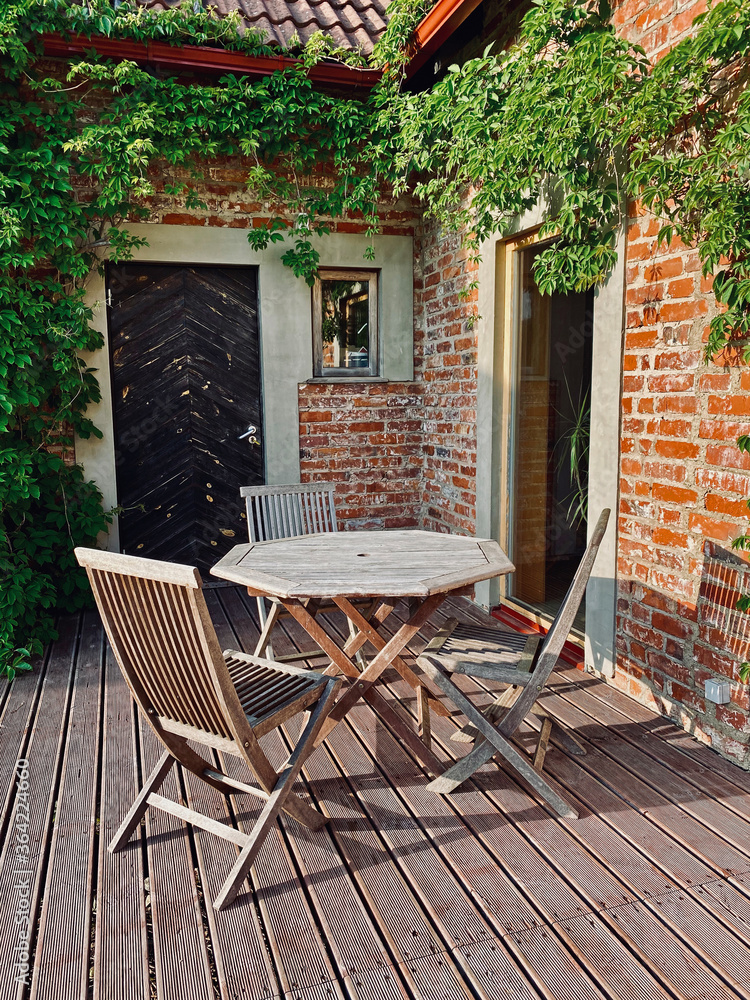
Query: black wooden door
[(186, 386)]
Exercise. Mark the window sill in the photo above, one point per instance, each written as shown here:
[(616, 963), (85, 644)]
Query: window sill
[(344, 379)]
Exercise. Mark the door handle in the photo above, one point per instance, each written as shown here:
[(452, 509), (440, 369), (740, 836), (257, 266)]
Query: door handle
[(251, 430)]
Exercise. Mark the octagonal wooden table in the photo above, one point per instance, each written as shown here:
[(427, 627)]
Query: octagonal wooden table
[(423, 567)]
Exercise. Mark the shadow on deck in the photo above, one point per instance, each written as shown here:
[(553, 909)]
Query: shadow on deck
[(405, 894)]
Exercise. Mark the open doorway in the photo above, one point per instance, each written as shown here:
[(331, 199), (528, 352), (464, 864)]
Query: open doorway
[(550, 424)]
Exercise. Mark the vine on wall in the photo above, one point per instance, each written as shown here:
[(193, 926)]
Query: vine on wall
[(570, 114)]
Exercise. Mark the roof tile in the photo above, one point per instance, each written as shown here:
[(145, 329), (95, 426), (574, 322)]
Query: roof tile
[(352, 24)]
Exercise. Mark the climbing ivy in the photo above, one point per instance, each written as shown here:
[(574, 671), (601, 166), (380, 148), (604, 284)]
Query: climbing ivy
[(569, 115)]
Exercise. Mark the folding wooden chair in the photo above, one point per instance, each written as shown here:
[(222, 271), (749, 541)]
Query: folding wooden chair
[(160, 631), (513, 659), (287, 512)]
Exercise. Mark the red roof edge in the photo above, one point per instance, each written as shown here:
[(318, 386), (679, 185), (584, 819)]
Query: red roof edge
[(207, 59), (436, 27), (431, 32)]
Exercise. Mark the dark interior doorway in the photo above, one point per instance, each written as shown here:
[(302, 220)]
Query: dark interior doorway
[(186, 380), (551, 439)]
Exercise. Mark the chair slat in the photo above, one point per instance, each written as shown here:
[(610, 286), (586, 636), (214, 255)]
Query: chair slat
[(275, 512)]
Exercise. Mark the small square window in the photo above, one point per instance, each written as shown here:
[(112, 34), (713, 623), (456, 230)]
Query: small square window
[(345, 323)]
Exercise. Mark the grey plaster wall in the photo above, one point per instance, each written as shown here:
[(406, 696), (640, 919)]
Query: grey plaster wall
[(285, 332)]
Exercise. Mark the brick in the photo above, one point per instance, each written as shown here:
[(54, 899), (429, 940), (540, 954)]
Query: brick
[(674, 428), (720, 505), (676, 539), (681, 288), (678, 360), (714, 381), (719, 530), (738, 405), (727, 457), (668, 268), (677, 404), (671, 312), (673, 626), (674, 494), (722, 430), (671, 383), (676, 449), (640, 340), (728, 482), (182, 219), (732, 717)]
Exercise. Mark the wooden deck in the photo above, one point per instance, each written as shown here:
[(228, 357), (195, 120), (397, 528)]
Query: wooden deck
[(484, 894)]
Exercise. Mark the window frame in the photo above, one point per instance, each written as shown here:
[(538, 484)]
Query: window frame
[(372, 276)]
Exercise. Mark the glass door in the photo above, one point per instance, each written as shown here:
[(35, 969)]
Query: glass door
[(550, 424)]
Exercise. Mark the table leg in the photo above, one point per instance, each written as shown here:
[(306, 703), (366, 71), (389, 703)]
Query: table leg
[(362, 683), (418, 683), (383, 659)]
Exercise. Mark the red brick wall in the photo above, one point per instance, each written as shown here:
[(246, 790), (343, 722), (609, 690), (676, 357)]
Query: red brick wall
[(446, 363), (683, 480), (367, 438)]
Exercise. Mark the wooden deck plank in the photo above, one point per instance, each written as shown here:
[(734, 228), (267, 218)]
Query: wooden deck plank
[(244, 968), (695, 764), (404, 895), (21, 879), (19, 704), (707, 936), (625, 771), (680, 967), (181, 963), (627, 748), (624, 974), (62, 961), (121, 959)]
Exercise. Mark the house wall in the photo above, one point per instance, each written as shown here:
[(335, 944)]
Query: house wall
[(404, 453), (684, 482), (381, 410)]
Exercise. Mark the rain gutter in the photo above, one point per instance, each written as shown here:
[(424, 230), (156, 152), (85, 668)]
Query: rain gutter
[(434, 29), (206, 59)]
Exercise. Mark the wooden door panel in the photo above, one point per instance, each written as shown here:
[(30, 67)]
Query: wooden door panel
[(186, 384)]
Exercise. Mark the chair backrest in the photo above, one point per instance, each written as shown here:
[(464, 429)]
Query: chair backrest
[(559, 630), (160, 631), (289, 511)]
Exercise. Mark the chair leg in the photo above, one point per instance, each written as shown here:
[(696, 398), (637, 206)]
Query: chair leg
[(276, 799), (138, 810), (541, 748), (495, 742), (423, 715), (267, 622), (359, 656)]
